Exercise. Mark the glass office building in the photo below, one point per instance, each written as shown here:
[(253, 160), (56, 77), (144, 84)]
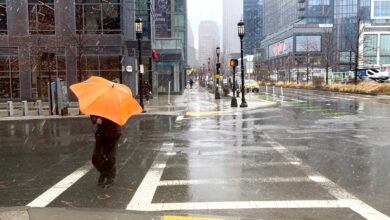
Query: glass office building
[(170, 44), (253, 19), (347, 20)]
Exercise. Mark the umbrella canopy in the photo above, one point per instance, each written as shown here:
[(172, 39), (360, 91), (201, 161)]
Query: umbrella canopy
[(98, 96)]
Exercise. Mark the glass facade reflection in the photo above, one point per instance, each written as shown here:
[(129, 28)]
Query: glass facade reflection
[(253, 19), (9, 73), (41, 16), (98, 16)]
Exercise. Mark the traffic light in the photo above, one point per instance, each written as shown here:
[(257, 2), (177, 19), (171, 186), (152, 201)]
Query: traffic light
[(233, 62)]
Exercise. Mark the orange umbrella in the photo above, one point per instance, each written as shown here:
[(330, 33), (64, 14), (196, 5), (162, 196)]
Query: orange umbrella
[(98, 96)]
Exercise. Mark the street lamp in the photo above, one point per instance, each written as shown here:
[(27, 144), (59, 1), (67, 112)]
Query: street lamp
[(241, 33), (204, 76), (208, 69), (218, 65), (138, 32)]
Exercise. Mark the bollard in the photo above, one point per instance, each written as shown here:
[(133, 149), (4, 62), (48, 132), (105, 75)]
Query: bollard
[(24, 108), (266, 89), (281, 92), (39, 107), (169, 93), (10, 107), (273, 91)]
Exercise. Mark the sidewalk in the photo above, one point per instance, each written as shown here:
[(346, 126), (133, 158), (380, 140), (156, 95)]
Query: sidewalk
[(196, 101)]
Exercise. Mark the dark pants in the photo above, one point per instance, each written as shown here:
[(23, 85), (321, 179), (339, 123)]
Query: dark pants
[(104, 156)]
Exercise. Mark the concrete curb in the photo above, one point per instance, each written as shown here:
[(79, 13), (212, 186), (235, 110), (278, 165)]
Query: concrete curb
[(28, 213)]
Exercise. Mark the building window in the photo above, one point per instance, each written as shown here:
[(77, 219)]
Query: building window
[(385, 49), (9, 73), (101, 61), (46, 63), (380, 9), (98, 16), (3, 17), (41, 16), (370, 48)]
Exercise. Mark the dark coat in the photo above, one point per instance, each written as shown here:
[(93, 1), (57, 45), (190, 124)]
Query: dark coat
[(108, 128)]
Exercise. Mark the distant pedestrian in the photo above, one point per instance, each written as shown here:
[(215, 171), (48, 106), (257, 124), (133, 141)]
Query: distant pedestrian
[(191, 83), (107, 135), (147, 91)]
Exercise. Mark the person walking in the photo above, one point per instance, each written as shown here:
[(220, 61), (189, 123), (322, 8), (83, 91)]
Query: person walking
[(191, 83), (107, 135)]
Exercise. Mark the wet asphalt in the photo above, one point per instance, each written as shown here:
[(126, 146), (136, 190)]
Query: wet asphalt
[(224, 157)]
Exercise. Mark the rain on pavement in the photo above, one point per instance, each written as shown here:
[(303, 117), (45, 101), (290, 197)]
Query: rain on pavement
[(316, 155)]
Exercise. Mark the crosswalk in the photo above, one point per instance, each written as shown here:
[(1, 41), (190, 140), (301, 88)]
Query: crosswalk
[(336, 198)]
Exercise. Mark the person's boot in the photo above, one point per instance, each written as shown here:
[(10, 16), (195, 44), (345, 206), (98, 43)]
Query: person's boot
[(109, 183), (101, 180)]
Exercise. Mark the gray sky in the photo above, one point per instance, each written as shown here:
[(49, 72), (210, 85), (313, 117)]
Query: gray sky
[(201, 10)]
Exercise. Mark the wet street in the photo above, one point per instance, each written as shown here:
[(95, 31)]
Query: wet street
[(314, 155)]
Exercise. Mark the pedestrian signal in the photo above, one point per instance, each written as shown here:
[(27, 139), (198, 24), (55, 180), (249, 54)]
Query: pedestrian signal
[(233, 62)]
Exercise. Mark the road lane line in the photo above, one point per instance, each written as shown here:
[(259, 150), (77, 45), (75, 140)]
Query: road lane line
[(147, 188), (236, 180), (51, 194), (218, 165), (335, 190), (285, 204)]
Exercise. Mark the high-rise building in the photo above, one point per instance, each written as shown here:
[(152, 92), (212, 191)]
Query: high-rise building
[(253, 19), (170, 19), (191, 54), (91, 43), (232, 14), (358, 30), (209, 40)]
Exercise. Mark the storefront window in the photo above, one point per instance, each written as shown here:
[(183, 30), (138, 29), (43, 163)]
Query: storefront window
[(41, 16), (98, 17), (101, 61), (3, 17), (46, 64), (9, 73)]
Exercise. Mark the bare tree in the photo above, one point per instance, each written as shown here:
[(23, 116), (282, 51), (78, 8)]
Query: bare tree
[(308, 48), (327, 53), (359, 46), (290, 63)]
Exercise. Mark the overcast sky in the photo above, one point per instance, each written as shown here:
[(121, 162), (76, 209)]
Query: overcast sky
[(201, 10)]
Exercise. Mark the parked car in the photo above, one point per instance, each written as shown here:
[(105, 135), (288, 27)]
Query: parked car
[(252, 85)]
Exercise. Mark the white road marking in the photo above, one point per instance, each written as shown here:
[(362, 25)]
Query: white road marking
[(55, 191), (339, 193), (233, 163), (148, 186), (286, 204), (237, 180)]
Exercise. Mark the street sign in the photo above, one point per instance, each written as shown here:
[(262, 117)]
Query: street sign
[(129, 69), (141, 68), (217, 76)]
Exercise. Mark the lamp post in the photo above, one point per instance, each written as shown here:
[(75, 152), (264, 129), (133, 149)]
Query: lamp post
[(218, 65), (208, 69), (241, 33), (204, 76), (138, 32)]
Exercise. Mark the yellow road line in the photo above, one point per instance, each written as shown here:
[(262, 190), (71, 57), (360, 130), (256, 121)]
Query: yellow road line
[(263, 100)]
